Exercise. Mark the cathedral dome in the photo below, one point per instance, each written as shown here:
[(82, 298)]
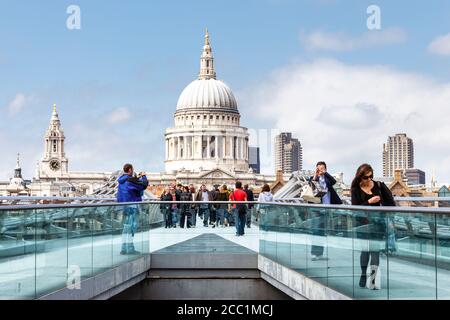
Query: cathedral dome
[(207, 134), (207, 94)]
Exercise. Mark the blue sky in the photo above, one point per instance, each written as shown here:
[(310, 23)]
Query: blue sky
[(139, 55)]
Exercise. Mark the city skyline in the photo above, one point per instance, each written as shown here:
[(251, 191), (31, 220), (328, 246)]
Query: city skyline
[(110, 82)]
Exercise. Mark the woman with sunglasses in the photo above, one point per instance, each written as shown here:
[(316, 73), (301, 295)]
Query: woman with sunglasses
[(366, 192)]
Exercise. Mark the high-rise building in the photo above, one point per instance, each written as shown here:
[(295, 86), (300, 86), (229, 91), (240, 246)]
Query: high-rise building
[(398, 153), (254, 160), (288, 153), (415, 176)]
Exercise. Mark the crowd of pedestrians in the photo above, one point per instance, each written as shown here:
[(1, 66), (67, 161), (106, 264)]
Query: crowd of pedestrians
[(210, 206)]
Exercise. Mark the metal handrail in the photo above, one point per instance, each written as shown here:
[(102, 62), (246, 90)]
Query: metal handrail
[(412, 199), (305, 205), (26, 198)]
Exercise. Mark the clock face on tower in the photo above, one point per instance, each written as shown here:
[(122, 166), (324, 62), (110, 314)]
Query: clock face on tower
[(54, 165)]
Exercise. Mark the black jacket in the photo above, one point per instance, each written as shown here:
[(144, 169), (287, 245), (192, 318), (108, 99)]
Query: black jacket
[(165, 197), (375, 220), (168, 197), (250, 197), (330, 181), (360, 198), (186, 196), (221, 196)]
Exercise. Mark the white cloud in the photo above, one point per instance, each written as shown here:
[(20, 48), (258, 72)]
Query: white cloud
[(339, 41), (440, 45), (344, 113), (350, 117), (94, 146), (18, 103), (118, 115)]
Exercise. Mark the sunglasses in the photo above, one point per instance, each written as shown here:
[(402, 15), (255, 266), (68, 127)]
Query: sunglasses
[(367, 177)]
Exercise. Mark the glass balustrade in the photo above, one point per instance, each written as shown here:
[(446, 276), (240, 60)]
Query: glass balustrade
[(46, 248), (408, 249)]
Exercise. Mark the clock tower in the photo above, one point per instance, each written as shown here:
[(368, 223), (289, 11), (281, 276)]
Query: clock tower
[(54, 164)]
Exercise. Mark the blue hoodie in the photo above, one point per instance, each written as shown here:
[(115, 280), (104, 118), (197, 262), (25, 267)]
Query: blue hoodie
[(131, 189)]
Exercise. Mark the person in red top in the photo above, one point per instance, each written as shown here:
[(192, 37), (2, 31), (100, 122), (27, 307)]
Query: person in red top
[(239, 210)]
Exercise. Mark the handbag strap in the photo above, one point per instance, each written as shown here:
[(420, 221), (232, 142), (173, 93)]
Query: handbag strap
[(381, 193)]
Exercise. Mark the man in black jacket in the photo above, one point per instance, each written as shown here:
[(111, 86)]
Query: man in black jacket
[(326, 182), (250, 197)]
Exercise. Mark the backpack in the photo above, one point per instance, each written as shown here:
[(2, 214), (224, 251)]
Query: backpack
[(241, 208)]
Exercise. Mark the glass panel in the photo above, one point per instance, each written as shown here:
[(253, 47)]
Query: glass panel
[(51, 244), (79, 245), (271, 221), (119, 235), (146, 212), (138, 229), (299, 241), (51, 256), (283, 251), (370, 265), (17, 254), (412, 265), (267, 223), (102, 239), (340, 251), (317, 263), (443, 256)]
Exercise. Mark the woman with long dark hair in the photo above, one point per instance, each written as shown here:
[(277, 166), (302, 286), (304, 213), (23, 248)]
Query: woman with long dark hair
[(366, 192)]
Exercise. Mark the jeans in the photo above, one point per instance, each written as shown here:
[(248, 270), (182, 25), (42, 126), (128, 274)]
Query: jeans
[(240, 222), (231, 218), (185, 216), (234, 213), (249, 217), (194, 217), (168, 217), (212, 215), (129, 228), (220, 215), (205, 213), (175, 217)]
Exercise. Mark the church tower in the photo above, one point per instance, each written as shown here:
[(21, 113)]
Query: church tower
[(54, 164)]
